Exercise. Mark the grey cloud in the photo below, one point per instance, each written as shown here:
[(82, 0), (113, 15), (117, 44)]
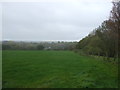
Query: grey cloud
[(52, 21)]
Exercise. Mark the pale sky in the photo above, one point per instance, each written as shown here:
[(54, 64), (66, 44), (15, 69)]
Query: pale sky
[(39, 21)]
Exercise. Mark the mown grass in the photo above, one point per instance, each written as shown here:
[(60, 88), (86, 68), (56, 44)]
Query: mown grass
[(56, 69)]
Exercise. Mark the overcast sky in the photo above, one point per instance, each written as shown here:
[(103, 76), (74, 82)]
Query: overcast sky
[(48, 21)]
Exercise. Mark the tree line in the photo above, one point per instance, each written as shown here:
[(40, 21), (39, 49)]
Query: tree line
[(15, 45), (104, 40)]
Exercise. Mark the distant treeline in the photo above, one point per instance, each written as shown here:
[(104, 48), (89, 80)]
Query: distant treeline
[(104, 40), (13, 45)]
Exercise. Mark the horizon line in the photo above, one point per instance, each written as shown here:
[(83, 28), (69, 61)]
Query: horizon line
[(43, 40)]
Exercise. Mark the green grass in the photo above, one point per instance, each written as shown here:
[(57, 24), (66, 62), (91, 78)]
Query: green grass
[(0, 69), (56, 69)]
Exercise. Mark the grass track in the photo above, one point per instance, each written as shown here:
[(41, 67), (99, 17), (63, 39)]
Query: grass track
[(56, 69)]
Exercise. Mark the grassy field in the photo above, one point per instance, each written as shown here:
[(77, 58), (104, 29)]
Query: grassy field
[(56, 69), (0, 69)]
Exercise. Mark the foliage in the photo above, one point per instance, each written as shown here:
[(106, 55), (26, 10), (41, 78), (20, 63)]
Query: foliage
[(103, 41), (12, 45), (40, 47)]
